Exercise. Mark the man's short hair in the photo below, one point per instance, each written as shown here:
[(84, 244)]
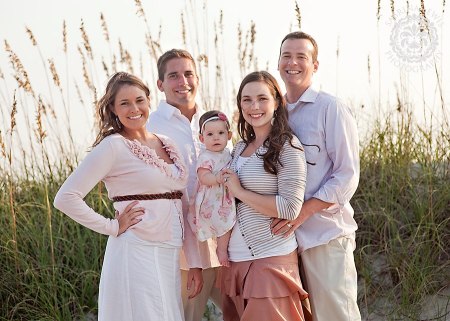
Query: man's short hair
[(169, 55), (302, 35)]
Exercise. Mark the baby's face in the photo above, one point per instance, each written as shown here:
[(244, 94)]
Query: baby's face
[(215, 135)]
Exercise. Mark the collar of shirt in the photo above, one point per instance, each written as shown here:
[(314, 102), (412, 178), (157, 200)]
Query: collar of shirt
[(168, 111), (309, 96)]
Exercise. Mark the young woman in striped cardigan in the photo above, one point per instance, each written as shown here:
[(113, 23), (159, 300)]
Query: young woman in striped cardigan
[(267, 176)]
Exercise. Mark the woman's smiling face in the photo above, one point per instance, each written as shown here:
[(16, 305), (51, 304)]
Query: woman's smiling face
[(131, 106), (258, 104)]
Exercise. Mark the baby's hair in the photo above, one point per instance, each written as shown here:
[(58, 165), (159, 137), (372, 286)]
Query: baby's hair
[(212, 115)]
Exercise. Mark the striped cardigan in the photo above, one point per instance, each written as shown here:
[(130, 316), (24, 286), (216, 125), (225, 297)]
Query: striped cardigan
[(288, 186)]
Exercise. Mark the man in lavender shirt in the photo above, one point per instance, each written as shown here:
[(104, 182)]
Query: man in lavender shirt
[(325, 228)]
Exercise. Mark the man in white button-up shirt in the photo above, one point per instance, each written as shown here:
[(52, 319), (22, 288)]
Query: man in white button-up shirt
[(325, 228), (177, 117)]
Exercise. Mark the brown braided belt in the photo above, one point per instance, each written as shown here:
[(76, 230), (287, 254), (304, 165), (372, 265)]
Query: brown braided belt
[(145, 197)]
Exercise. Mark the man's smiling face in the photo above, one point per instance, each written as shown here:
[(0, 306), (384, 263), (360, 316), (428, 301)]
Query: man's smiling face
[(296, 64), (180, 83)]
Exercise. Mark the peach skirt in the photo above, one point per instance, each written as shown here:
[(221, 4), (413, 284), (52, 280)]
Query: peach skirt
[(264, 289)]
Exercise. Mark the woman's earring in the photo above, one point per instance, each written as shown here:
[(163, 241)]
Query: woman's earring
[(273, 118), (119, 124)]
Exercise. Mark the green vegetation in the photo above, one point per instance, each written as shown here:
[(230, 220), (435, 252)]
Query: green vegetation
[(402, 208)]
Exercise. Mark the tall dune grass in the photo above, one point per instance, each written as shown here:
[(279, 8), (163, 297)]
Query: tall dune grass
[(402, 208), (50, 265)]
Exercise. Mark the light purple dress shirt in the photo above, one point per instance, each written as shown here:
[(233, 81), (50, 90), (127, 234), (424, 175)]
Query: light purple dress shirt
[(328, 133)]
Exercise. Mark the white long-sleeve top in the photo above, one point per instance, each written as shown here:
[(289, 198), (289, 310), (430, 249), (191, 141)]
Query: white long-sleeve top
[(329, 135), (127, 168), (169, 121)]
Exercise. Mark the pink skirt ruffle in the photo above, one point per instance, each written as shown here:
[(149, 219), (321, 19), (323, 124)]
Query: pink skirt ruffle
[(266, 289), (271, 277)]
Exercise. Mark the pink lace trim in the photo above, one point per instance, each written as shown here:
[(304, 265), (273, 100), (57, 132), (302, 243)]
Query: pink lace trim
[(150, 157)]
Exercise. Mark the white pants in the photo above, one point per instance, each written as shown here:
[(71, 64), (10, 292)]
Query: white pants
[(195, 308), (332, 281), (139, 282)]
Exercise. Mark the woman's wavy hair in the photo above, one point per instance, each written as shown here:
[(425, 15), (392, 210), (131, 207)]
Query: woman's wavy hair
[(107, 121), (280, 132)]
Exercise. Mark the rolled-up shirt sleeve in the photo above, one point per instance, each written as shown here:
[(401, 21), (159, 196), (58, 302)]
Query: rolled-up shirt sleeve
[(342, 146), (69, 198), (291, 181)]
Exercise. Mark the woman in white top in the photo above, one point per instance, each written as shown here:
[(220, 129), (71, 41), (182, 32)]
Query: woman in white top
[(263, 281), (144, 174)]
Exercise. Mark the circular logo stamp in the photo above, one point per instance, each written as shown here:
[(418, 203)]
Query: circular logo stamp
[(414, 40)]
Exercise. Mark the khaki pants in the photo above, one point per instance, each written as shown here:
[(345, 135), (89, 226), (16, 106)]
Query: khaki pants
[(332, 281), (195, 308)]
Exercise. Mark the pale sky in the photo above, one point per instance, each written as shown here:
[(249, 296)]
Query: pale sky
[(349, 27)]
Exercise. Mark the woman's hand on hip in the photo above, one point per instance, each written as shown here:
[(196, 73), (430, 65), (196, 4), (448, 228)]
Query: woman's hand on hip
[(130, 216)]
